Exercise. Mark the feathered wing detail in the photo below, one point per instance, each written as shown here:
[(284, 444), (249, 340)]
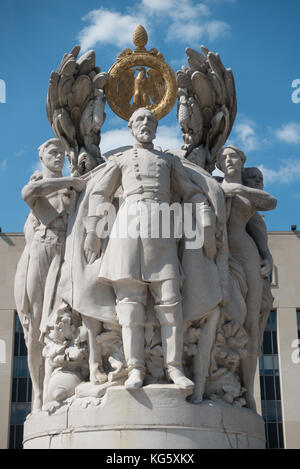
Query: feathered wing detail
[(207, 105), (156, 86), (126, 87), (75, 108)]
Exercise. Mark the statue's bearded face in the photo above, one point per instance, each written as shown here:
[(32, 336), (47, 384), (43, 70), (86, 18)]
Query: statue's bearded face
[(53, 158), (143, 126)]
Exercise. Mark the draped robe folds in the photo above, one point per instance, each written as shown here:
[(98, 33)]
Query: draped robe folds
[(81, 288)]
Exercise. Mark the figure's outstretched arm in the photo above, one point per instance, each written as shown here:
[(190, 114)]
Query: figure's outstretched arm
[(44, 187), (260, 199)]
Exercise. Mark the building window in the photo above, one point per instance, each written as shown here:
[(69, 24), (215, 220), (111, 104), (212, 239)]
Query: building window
[(21, 388), (270, 385), (298, 322)]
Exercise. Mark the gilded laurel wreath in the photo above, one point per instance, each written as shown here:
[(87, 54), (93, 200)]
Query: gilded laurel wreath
[(141, 78)]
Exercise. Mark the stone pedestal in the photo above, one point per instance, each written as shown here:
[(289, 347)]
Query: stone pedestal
[(156, 417)]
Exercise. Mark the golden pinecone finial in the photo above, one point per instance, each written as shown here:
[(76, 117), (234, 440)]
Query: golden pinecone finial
[(140, 37)]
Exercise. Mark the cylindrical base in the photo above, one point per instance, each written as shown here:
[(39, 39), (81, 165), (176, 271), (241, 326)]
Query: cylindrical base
[(154, 417)]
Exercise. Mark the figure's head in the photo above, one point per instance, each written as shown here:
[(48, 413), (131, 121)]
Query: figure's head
[(253, 177), (143, 125), (231, 161), (52, 155)]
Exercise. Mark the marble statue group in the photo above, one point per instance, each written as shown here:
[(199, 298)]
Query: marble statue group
[(102, 309)]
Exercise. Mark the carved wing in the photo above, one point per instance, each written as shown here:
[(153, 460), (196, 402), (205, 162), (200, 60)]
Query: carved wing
[(75, 103), (155, 85), (126, 87), (207, 100)]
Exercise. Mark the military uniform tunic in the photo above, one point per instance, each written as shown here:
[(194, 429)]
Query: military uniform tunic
[(153, 178)]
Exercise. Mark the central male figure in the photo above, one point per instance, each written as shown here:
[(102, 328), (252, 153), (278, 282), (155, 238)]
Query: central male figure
[(135, 265)]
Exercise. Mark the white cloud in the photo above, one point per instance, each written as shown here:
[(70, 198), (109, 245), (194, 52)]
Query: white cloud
[(289, 133), (288, 172), (245, 136), (168, 137), (216, 29), (3, 165), (179, 10), (108, 27), (115, 138), (157, 6), (196, 31), (20, 152), (218, 2), (185, 20)]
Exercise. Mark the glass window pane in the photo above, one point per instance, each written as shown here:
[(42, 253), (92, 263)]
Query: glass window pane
[(29, 394), (14, 390), (277, 388), (279, 412), (22, 390), (12, 437), (271, 323), (272, 435), (276, 363), (298, 319), (13, 414), (23, 348), (262, 388), (267, 343), (268, 362), (269, 411), (274, 340), (15, 368), (20, 367), (266, 433), (16, 344), (21, 413), (273, 319), (18, 325), (280, 435), (19, 437), (270, 388)]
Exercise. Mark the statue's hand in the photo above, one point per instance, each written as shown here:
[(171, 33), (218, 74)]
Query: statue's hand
[(92, 247), (77, 184), (266, 267), (210, 245)]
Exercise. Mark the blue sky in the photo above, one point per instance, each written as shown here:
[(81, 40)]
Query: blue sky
[(258, 39)]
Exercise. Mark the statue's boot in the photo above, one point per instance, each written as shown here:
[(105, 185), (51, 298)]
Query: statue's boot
[(135, 379), (132, 319), (170, 317)]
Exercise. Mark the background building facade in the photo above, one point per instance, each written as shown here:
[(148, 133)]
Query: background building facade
[(278, 376)]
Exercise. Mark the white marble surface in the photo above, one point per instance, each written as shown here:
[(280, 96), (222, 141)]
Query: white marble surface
[(156, 416)]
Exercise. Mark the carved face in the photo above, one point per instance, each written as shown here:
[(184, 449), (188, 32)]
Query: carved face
[(53, 158), (143, 126), (230, 162), (253, 177)]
